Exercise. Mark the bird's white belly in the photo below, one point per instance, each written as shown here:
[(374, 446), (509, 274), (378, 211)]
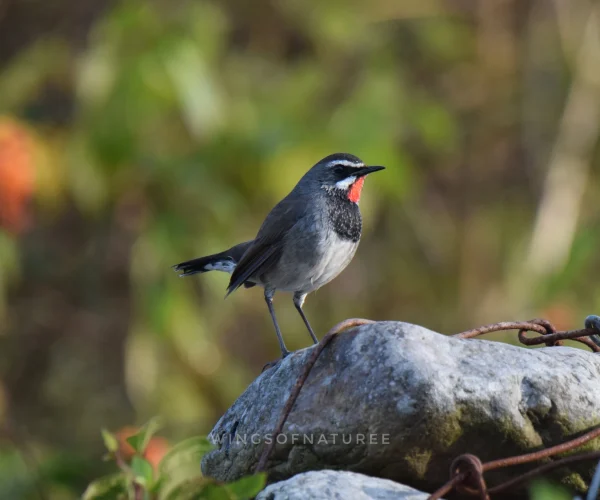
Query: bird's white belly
[(334, 253)]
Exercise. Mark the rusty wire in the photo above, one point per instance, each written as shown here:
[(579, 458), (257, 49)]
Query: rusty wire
[(287, 408), (548, 334), (465, 480), (467, 471)]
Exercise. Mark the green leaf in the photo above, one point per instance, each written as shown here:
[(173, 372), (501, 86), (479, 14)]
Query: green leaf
[(142, 470), (159, 483), (110, 441), (214, 491), (140, 441), (545, 490), (180, 468), (207, 489), (189, 451), (247, 487), (195, 489), (113, 487)]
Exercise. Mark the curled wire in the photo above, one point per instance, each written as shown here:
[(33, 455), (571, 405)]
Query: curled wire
[(469, 469), (471, 481), (547, 333)]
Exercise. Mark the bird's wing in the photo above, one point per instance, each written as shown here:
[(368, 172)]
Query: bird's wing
[(257, 259), (266, 249)]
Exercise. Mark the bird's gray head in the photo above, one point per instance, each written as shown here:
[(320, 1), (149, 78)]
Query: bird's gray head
[(341, 173)]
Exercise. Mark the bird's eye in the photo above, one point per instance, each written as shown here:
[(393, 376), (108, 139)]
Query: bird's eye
[(339, 169)]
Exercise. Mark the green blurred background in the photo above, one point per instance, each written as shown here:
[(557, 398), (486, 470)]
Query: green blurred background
[(137, 134)]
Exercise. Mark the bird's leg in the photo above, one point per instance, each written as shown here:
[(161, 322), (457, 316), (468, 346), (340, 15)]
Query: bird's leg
[(298, 302), (269, 293)]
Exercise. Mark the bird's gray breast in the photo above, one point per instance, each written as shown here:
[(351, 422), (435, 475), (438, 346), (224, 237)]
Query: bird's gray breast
[(336, 254), (313, 254)]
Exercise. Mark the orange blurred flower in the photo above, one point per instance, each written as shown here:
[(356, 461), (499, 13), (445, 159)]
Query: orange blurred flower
[(16, 174), (155, 451)]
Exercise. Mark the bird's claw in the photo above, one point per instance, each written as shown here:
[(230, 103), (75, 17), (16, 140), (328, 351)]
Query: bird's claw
[(271, 364)]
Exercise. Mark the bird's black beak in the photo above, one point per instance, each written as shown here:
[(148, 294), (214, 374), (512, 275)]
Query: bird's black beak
[(361, 172)]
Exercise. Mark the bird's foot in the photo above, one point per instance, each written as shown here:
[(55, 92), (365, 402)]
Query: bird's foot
[(271, 364)]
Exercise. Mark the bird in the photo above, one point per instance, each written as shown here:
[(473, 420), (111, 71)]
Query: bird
[(306, 240)]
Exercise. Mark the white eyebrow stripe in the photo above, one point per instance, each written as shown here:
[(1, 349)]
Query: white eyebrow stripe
[(346, 163)]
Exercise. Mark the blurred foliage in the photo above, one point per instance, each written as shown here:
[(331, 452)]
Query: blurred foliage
[(175, 476), (138, 134), (545, 490)]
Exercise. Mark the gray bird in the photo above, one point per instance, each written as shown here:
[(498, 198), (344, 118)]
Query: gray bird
[(305, 241)]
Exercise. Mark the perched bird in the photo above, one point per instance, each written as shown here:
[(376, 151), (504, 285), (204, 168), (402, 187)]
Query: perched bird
[(305, 241)]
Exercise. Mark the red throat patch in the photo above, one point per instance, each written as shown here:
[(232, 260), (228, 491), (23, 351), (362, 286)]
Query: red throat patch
[(355, 189)]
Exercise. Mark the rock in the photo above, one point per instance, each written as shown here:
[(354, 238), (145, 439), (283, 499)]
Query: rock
[(330, 485), (398, 401)]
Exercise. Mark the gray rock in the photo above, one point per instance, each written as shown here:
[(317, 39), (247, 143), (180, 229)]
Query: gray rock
[(398, 401), (339, 485)]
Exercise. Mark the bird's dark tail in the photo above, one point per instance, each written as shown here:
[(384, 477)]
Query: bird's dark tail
[(215, 262), (224, 261)]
